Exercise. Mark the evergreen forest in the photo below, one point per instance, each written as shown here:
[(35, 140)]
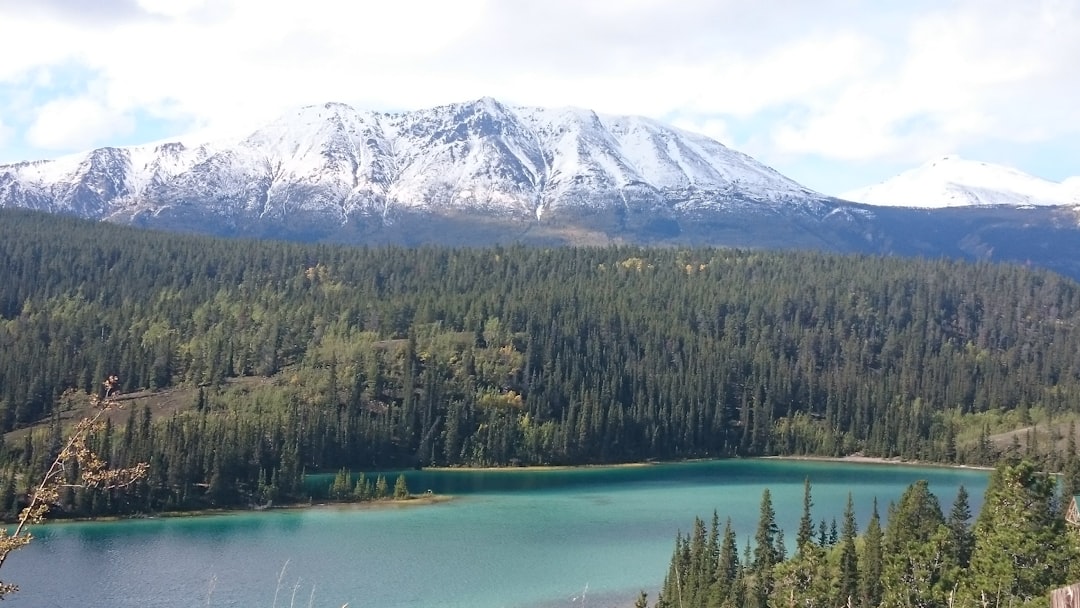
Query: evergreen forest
[(1016, 551), (259, 362)]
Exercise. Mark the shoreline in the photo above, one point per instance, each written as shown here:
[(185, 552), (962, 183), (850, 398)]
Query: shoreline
[(895, 461), (420, 500), (554, 467), (417, 500)]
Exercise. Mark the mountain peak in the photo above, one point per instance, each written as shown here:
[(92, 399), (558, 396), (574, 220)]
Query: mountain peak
[(952, 181), (332, 160)]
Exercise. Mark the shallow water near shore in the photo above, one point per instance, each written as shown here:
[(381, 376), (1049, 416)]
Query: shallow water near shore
[(514, 538)]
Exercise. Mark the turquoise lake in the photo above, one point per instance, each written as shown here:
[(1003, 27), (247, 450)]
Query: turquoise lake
[(515, 538)]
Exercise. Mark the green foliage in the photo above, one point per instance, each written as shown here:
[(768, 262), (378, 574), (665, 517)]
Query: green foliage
[(342, 488), (316, 358), (768, 551), (1021, 548), (401, 491), (873, 561), (917, 568), (848, 575), (1021, 553)]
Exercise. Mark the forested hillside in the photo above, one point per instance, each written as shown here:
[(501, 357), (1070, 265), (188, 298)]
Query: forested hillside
[(390, 357)]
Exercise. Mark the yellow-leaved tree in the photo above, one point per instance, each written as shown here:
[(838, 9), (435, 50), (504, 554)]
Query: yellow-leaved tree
[(74, 456)]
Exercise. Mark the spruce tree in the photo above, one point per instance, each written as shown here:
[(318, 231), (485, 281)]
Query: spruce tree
[(727, 568), (766, 555), (872, 561), (915, 568), (806, 524), (1022, 549), (401, 491), (963, 540), (848, 587)]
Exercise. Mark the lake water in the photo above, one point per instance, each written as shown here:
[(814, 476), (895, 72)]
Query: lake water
[(516, 538)]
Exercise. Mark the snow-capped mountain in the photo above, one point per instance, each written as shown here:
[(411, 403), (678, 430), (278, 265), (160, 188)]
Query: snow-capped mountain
[(334, 162), (955, 182)]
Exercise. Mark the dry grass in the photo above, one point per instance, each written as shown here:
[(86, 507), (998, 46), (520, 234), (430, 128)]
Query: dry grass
[(163, 403)]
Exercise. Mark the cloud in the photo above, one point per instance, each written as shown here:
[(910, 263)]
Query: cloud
[(76, 11), (64, 124), (975, 71), (715, 128), (833, 79)]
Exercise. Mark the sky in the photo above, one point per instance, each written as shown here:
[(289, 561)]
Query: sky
[(835, 94)]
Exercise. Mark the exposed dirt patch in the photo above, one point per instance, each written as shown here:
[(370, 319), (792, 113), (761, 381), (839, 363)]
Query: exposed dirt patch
[(1056, 435), (162, 404)]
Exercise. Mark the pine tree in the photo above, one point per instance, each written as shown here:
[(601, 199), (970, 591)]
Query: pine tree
[(765, 552), (362, 490), (1021, 547), (401, 491), (963, 541), (848, 588), (872, 561), (915, 568), (727, 568), (806, 524)]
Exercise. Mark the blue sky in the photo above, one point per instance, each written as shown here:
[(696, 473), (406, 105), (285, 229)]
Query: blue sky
[(836, 94)]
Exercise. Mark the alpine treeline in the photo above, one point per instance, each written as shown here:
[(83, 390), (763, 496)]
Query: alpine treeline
[(1018, 549), (290, 358)]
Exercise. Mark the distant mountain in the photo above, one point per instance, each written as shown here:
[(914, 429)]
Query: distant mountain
[(480, 173), (955, 182), (334, 162)]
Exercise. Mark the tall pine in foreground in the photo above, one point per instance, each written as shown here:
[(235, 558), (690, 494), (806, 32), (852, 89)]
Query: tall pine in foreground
[(1022, 548), (767, 552), (848, 579), (872, 560), (917, 569)]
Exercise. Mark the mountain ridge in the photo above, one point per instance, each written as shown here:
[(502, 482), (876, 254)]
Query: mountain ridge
[(482, 173), (332, 160)]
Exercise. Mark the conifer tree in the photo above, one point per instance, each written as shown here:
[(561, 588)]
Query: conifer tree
[(872, 561), (962, 538), (727, 568), (401, 491), (915, 569), (848, 587), (806, 524), (766, 555), (1022, 550)]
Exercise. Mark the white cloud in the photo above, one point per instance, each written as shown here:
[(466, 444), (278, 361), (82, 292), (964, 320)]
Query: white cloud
[(66, 124), (646, 57), (5, 133), (716, 128), (832, 79), (969, 73), (170, 8)]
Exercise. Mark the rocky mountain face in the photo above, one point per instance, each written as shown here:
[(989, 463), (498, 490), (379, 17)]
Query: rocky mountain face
[(480, 173), (334, 162)]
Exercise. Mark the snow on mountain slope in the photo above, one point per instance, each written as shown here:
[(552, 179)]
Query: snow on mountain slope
[(954, 182), (475, 154), (333, 161)]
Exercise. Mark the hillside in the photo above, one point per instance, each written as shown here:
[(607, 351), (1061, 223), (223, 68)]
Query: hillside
[(382, 357)]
